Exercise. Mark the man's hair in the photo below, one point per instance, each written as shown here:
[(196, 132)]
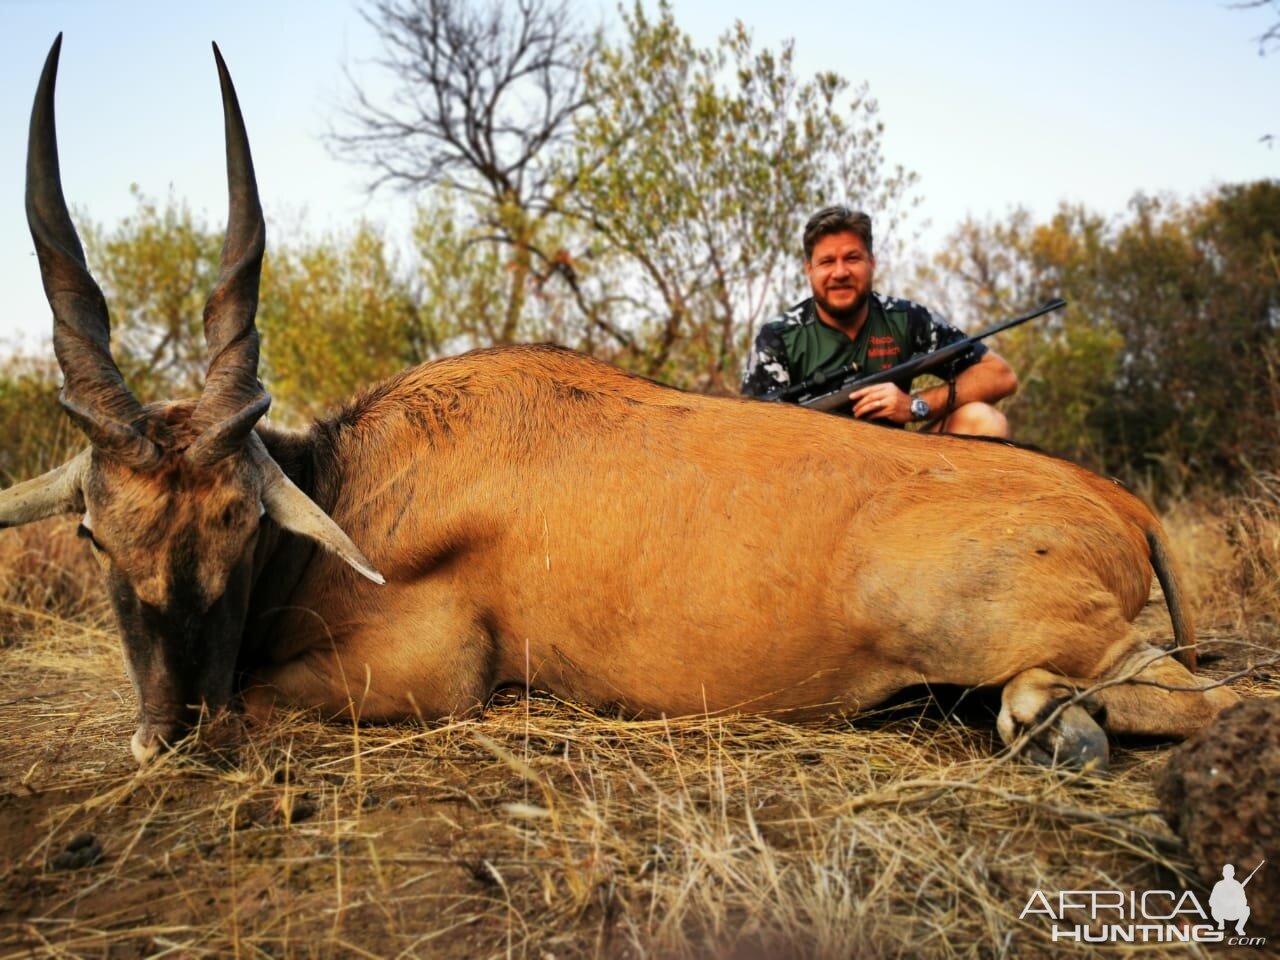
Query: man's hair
[(837, 219)]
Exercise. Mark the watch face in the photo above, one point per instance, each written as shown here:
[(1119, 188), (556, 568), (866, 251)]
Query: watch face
[(919, 408)]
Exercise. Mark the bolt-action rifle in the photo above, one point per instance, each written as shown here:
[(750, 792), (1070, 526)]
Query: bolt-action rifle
[(823, 391)]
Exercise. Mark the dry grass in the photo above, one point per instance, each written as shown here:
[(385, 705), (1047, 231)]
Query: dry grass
[(1231, 552), (546, 830), (47, 575)]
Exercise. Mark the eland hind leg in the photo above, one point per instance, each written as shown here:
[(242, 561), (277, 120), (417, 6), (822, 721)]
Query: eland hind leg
[(1145, 692), (1157, 696)]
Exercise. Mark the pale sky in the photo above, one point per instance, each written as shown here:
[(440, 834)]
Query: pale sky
[(994, 103)]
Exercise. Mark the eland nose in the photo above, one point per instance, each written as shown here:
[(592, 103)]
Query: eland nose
[(148, 740)]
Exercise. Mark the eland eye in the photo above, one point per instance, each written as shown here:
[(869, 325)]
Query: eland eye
[(85, 533)]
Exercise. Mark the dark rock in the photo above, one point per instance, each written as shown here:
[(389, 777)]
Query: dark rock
[(81, 840), (82, 850), (1220, 792), (303, 808)]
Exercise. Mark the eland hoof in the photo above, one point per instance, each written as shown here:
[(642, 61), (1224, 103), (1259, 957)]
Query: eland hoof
[(1074, 742)]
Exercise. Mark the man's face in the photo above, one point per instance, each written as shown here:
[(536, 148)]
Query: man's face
[(840, 270)]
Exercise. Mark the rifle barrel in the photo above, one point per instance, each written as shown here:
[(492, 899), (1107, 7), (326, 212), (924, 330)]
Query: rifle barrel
[(806, 394), (1255, 870)]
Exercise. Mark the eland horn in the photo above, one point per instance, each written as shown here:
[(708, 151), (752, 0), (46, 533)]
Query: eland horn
[(93, 391), (233, 398)]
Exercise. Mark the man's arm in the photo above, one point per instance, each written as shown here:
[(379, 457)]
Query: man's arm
[(980, 376), (989, 380)]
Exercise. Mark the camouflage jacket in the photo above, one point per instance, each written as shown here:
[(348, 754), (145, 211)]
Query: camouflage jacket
[(798, 344)]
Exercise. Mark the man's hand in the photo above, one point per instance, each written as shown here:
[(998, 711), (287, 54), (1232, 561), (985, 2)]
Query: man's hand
[(883, 401)]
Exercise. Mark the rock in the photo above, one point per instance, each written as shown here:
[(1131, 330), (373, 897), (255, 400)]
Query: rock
[(302, 808), (1220, 792), (81, 840), (82, 850)]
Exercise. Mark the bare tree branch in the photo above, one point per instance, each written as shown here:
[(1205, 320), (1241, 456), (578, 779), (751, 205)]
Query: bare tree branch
[(1271, 36), (482, 97), (485, 93)]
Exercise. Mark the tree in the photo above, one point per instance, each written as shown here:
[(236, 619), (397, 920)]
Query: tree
[(642, 200), (1196, 289), (39, 436), (698, 168), (156, 268), (337, 315), (483, 103), (1166, 366), (1270, 37), (1066, 361), (1268, 40)]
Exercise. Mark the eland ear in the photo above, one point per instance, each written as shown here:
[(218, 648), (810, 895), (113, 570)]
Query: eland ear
[(295, 511), (61, 490)]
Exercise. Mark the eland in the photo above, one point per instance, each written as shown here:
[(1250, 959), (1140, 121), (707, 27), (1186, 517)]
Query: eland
[(529, 515)]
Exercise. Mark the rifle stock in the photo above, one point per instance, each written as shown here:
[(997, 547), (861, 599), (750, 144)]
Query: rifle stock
[(817, 395)]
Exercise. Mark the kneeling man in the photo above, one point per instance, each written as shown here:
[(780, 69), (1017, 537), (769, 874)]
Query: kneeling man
[(848, 327)]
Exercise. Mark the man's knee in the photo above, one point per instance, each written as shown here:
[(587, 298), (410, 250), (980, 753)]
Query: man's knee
[(977, 420)]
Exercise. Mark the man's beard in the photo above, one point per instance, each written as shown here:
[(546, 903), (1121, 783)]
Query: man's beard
[(841, 314)]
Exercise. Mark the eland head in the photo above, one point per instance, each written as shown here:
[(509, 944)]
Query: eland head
[(173, 495)]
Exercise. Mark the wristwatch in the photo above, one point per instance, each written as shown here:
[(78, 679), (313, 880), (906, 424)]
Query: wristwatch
[(919, 408)]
